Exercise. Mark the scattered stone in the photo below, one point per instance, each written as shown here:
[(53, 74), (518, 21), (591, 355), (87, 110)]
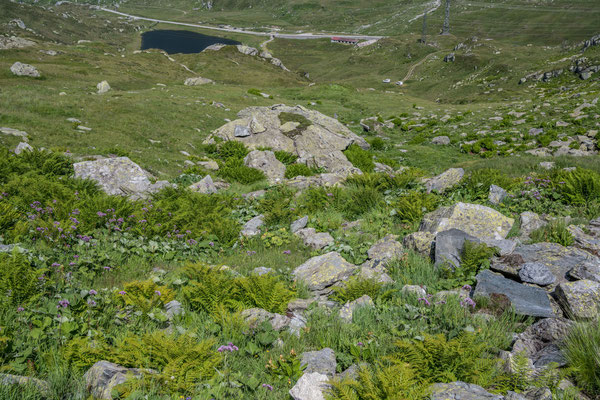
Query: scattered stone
[(529, 222), (310, 387), (173, 308), (579, 299), (20, 69), (314, 240), (197, 81), (42, 386), (386, 249), (209, 165), (537, 273), (320, 273), (450, 57), (583, 241), (445, 180), (242, 131), (256, 316), (586, 270), (204, 186), (299, 224), (254, 195), (103, 376), (548, 165), (527, 300), (252, 227), (347, 309), (462, 391), (103, 87), (14, 132), (13, 42), (266, 162), (23, 146), (497, 195), (374, 270), (441, 140), (261, 271), (479, 221), (322, 361)]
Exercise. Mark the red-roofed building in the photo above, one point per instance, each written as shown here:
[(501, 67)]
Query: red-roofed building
[(338, 39)]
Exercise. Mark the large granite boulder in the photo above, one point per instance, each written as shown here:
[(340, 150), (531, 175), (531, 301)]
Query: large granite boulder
[(310, 387), (445, 180), (117, 176), (313, 239), (197, 81), (321, 273), (103, 376), (319, 141), (476, 220), (20, 69), (322, 361), (579, 299), (266, 162), (527, 300)]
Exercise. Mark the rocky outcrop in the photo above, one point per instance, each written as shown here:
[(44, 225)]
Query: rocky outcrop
[(13, 42), (323, 272), (317, 141), (255, 316), (103, 376), (117, 176), (310, 387), (197, 81), (20, 69), (445, 180), (266, 162)]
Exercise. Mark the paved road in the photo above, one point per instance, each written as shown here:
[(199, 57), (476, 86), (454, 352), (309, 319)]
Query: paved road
[(239, 30)]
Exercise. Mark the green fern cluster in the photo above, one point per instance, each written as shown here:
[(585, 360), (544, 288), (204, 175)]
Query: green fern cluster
[(355, 288), (411, 207), (19, 283), (580, 186), (144, 295), (554, 232), (211, 290)]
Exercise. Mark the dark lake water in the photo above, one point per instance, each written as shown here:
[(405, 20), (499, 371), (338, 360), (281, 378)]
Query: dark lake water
[(173, 41)]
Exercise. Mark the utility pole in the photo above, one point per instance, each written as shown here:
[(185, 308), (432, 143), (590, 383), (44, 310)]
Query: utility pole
[(446, 28), (424, 35)]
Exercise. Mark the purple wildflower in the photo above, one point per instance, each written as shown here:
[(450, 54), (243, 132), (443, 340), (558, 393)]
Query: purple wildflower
[(92, 292), (122, 292), (267, 386), (157, 292), (63, 303), (20, 309), (467, 302)]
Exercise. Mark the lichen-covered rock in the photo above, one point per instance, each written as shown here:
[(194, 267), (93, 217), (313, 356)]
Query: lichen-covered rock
[(527, 300), (322, 361), (415, 290), (14, 42), (197, 81), (441, 140), (586, 242), (420, 242), (462, 391), (266, 162), (8, 379), (386, 249), (347, 309), (298, 224), (204, 186), (103, 87), (210, 165), (310, 387), (103, 376), (479, 221), (20, 69), (579, 299), (375, 270), (537, 273), (496, 194), (252, 227), (529, 222), (589, 270), (320, 273), (313, 239), (319, 142), (117, 176), (247, 50), (255, 316), (445, 180), (541, 341)]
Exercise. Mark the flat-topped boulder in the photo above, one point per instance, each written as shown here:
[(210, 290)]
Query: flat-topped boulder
[(323, 272), (317, 140)]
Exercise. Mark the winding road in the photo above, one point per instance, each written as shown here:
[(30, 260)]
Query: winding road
[(301, 36)]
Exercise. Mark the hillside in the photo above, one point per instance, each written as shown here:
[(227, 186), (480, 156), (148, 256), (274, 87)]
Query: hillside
[(300, 219)]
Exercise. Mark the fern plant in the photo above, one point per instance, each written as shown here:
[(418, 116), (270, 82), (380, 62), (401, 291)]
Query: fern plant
[(554, 232), (264, 291), (19, 283), (579, 186), (209, 289), (144, 295), (355, 288)]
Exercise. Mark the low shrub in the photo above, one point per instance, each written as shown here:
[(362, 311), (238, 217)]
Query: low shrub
[(582, 351), (235, 170), (554, 232), (361, 159), (356, 288), (294, 170), (411, 207)]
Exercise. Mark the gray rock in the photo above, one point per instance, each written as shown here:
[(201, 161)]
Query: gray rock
[(527, 300), (204, 186), (386, 249), (548, 165), (375, 270), (586, 242), (497, 194), (298, 224), (14, 132), (241, 131), (254, 195), (252, 227), (103, 376), (579, 299), (103, 87), (13, 42), (256, 316), (173, 308), (541, 341), (197, 81), (415, 290), (441, 140), (461, 391), (449, 246), (20, 69), (322, 361), (42, 386), (310, 387), (266, 162), (247, 50), (479, 221), (347, 309), (538, 273), (530, 222), (314, 240), (116, 176), (23, 146), (445, 180), (420, 242), (210, 165), (320, 273), (535, 131), (261, 271), (587, 270), (450, 57)]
